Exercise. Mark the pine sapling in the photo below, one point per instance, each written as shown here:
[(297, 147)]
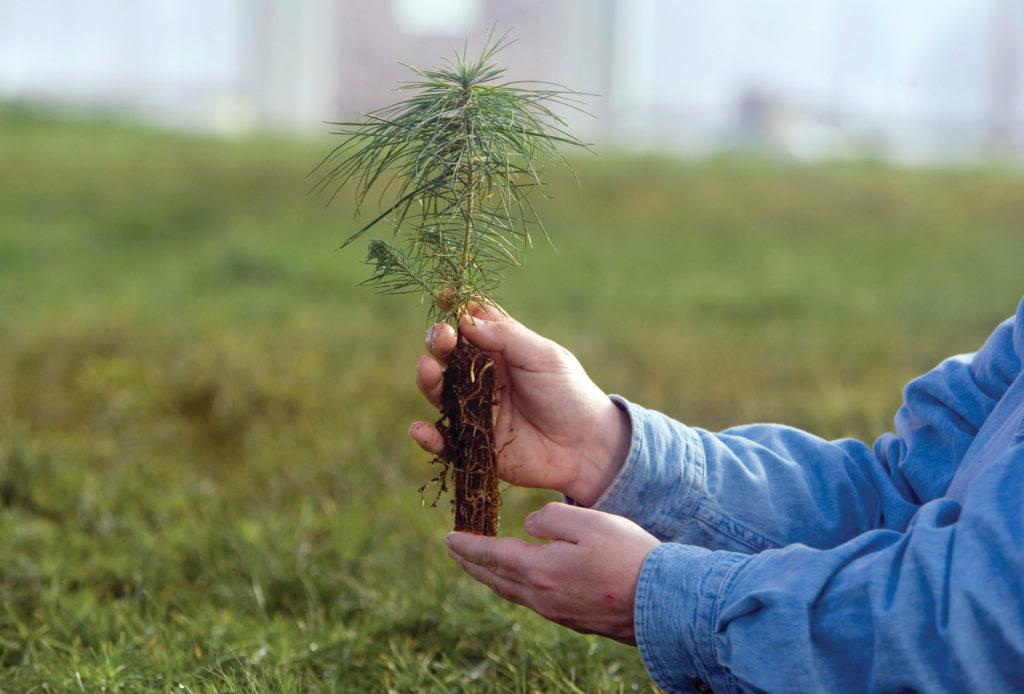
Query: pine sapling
[(454, 166)]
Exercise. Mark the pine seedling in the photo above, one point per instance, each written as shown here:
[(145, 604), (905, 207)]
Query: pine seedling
[(452, 168)]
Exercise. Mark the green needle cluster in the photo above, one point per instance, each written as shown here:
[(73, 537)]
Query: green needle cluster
[(452, 168)]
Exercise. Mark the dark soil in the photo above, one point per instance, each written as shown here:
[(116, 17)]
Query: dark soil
[(467, 426)]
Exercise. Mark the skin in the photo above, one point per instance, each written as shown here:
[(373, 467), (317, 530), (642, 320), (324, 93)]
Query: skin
[(556, 430)]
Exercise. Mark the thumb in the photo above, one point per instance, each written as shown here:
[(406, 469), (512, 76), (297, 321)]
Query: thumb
[(557, 521), (519, 345)]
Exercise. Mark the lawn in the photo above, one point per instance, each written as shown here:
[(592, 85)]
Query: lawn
[(205, 481)]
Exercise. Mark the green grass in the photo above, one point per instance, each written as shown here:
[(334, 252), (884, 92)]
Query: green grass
[(205, 482)]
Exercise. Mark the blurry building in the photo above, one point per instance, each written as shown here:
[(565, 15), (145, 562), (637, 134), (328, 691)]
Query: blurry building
[(916, 80), (235, 64)]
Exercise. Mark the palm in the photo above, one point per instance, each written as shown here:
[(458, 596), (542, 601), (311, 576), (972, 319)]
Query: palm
[(542, 422), (553, 427)]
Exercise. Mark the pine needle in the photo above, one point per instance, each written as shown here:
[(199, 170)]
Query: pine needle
[(452, 167)]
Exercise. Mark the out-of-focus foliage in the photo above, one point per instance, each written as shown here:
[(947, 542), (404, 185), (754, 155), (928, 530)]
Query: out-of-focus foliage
[(204, 475)]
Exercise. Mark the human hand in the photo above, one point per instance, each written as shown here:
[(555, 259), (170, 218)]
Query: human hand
[(553, 426), (584, 579)]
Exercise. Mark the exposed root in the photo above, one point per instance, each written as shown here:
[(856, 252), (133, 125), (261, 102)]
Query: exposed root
[(467, 427)]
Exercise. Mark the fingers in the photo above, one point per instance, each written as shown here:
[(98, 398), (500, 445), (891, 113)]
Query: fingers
[(427, 436), (557, 521), (505, 557), (502, 587), (519, 345), (487, 311), (440, 340), (430, 379)]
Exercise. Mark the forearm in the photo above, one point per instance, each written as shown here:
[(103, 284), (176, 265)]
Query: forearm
[(748, 489), (931, 609), (761, 486)]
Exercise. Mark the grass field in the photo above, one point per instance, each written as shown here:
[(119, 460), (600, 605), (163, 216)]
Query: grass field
[(205, 482)]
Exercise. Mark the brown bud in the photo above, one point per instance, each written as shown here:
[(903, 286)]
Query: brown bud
[(445, 298)]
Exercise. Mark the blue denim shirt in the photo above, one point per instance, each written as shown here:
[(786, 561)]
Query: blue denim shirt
[(792, 563)]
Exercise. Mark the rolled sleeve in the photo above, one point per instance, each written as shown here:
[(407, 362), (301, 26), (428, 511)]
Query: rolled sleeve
[(661, 482), (677, 599)]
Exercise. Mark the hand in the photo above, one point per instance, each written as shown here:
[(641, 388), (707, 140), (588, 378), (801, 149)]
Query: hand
[(553, 426), (584, 579)]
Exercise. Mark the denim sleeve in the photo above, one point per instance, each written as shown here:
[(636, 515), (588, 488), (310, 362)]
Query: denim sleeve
[(761, 486), (934, 608)]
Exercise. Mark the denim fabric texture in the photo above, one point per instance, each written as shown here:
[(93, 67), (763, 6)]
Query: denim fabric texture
[(794, 564)]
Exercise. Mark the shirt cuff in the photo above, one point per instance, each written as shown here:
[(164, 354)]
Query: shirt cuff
[(662, 480), (677, 599)]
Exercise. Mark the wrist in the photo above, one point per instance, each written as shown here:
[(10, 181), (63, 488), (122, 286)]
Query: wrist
[(604, 457)]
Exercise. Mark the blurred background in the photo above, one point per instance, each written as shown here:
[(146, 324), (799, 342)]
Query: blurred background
[(919, 80), (205, 479)]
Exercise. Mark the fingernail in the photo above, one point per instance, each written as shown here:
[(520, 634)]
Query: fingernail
[(530, 519), (430, 336), (448, 539)]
